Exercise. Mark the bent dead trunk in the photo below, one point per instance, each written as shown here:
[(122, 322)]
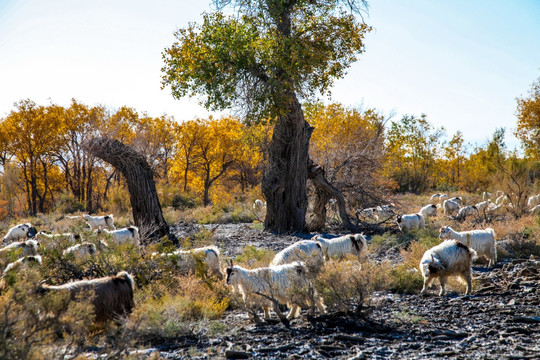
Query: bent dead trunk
[(139, 176), (324, 191), (284, 181)]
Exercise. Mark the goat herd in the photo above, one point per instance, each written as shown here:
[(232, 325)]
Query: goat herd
[(288, 275)]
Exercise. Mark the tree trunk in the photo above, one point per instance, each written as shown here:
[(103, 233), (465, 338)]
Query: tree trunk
[(89, 205), (284, 180), (140, 179), (324, 191), (206, 194)]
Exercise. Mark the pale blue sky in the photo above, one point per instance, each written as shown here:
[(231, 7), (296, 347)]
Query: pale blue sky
[(461, 62)]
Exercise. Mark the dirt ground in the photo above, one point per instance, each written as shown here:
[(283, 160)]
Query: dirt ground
[(501, 320)]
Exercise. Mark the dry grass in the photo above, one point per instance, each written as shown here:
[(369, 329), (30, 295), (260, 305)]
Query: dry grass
[(169, 305), (170, 314), (252, 257)]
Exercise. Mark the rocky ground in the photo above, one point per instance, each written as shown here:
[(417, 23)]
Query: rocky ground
[(501, 320)]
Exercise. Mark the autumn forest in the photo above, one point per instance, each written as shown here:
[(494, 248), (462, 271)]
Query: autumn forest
[(44, 165)]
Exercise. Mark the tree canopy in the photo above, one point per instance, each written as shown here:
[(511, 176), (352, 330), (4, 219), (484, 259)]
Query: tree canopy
[(528, 125), (254, 60), (261, 62)]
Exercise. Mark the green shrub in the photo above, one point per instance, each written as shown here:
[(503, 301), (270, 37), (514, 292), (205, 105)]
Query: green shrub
[(220, 214), (406, 280), (253, 257), (522, 248), (242, 215), (182, 201), (169, 315), (66, 203), (343, 286), (42, 326)]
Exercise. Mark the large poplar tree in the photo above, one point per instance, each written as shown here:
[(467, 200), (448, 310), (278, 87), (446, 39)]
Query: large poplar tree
[(262, 61)]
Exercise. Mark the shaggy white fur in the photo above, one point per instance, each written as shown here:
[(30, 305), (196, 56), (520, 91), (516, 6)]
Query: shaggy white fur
[(450, 258), (341, 246), (125, 235), (187, 260), (284, 283), (410, 221), (96, 222), (308, 251), (482, 241)]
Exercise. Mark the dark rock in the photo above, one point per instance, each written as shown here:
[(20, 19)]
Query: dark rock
[(235, 354), (525, 319)]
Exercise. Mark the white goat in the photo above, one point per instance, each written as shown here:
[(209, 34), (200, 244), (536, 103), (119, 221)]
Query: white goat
[(188, 260), (502, 199), (81, 250), (486, 195), (535, 209), (457, 199), (341, 246), (482, 206), (495, 209), (533, 201), (428, 210), (283, 283), (368, 213), (33, 259), (96, 222), (125, 235), (466, 211), (410, 221), (435, 197), (27, 248), (385, 211), (72, 237), (482, 241), (450, 258), (308, 251), (258, 204), (450, 207), (21, 231), (27, 260), (443, 196)]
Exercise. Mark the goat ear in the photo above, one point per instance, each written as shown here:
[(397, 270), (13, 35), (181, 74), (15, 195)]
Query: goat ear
[(355, 242)]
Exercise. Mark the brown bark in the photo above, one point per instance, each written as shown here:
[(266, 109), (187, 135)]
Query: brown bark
[(284, 181), (324, 191), (139, 176)]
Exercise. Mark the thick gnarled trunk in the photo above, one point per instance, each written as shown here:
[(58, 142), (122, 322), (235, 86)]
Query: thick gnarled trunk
[(139, 176), (284, 181)]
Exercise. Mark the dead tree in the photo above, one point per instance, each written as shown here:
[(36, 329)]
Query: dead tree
[(324, 191), (139, 176)]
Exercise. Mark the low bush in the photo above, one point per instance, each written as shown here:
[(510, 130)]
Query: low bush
[(237, 213), (253, 257), (171, 313), (66, 203), (183, 201), (49, 326)]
